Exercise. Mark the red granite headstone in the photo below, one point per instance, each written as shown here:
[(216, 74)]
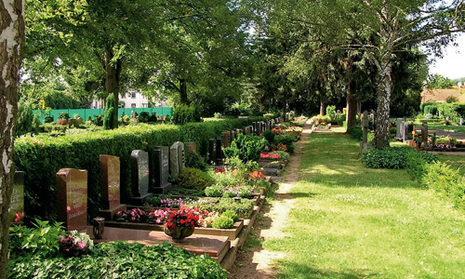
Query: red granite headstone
[(110, 185), (72, 198)]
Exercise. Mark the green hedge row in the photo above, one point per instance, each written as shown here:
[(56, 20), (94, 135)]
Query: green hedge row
[(41, 157)]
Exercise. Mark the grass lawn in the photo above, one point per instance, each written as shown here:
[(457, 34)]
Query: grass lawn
[(460, 129), (354, 222)]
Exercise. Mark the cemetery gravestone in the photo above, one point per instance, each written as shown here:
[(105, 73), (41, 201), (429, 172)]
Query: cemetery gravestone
[(191, 147), (17, 196), (227, 138), (405, 133), (364, 142), (72, 198), (181, 155), (175, 168), (219, 152), (161, 169), (110, 185), (140, 176), (424, 134), (211, 151), (399, 128)]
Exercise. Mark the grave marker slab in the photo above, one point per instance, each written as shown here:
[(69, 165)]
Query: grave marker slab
[(110, 185), (405, 133), (72, 198), (364, 142), (227, 138), (219, 151), (191, 147), (161, 169), (399, 128), (211, 151), (140, 176), (175, 168), (17, 196)]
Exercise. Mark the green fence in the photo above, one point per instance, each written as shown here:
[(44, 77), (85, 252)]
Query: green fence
[(85, 113)]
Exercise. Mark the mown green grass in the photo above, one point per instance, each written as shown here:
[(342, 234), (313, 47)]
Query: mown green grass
[(460, 129), (354, 222), (456, 161)]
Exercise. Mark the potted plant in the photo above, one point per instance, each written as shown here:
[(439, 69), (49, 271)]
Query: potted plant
[(181, 223)]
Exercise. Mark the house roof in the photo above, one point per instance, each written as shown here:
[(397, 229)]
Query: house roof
[(441, 95)]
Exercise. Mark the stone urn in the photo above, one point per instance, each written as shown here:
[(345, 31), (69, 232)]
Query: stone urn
[(178, 233)]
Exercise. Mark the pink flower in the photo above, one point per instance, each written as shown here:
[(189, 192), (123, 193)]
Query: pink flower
[(82, 245)]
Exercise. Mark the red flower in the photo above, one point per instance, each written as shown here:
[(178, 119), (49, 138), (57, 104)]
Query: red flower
[(219, 170), (18, 217), (256, 174)]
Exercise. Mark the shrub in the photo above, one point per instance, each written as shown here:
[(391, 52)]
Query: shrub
[(223, 222), (120, 260), (417, 162), (42, 240), (245, 147), (63, 115), (41, 157), (440, 177), (25, 119), (193, 179), (183, 114), (231, 214), (331, 112), (110, 118), (355, 132), (143, 117), (269, 135), (195, 160), (392, 157)]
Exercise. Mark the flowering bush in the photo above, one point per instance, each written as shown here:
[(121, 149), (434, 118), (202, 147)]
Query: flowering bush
[(171, 203), (76, 244), (273, 155), (133, 215), (184, 217), (159, 216)]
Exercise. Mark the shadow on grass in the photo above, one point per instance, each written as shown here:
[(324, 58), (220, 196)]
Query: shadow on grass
[(333, 160), (297, 270)]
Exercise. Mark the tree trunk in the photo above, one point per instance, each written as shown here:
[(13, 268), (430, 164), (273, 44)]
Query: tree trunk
[(183, 91), (112, 77), (322, 108), (11, 44), (382, 134), (359, 108), (351, 108)]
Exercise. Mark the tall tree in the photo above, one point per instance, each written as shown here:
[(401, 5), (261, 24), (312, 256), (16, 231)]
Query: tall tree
[(11, 45)]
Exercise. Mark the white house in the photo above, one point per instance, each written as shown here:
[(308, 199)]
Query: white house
[(132, 99)]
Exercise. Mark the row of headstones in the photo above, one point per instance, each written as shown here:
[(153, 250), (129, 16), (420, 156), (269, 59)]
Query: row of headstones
[(215, 153)]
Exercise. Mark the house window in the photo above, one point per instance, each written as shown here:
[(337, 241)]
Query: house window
[(145, 105), (133, 95), (133, 105)]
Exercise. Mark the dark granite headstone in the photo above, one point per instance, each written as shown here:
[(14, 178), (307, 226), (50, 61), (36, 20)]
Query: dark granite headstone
[(405, 133), (110, 185), (219, 151), (161, 169), (211, 151), (72, 198), (424, 134), (140, 176), (254, 127)]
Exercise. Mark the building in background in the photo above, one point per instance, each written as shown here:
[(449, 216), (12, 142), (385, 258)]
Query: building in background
[(132, 99)]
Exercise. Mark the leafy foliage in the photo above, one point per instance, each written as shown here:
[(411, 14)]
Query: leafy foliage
[(437, 82), (196, 161), (191, 178), (120, 260), (223, 222), (392, 157), (110, 118), (245, 147), (183, 114)]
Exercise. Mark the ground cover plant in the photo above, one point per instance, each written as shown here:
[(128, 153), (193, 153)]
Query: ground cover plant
[(349, 221)]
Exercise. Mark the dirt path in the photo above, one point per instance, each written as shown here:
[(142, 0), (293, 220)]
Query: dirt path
[(256, 262)]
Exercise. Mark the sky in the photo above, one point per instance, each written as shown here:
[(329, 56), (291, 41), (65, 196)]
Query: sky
[(452, 65)]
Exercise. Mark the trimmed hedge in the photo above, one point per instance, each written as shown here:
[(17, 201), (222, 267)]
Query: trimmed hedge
[(393, 157), (42, 156)]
